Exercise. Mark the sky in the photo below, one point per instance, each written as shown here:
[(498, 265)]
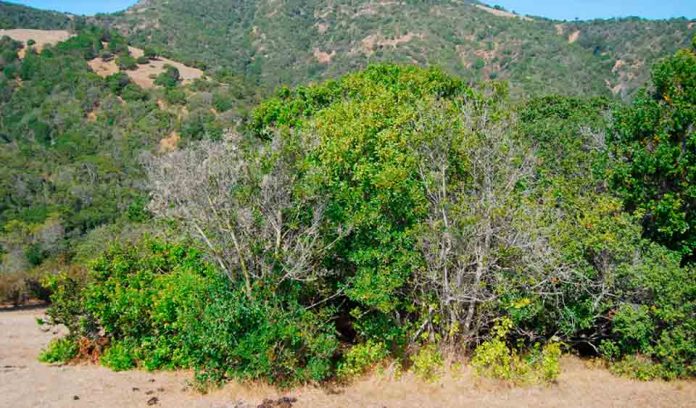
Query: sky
[(556, 9), (86, 7), (589, 9)]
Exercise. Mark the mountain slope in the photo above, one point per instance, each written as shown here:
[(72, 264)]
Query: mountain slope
[(295, 41), (18, 16)]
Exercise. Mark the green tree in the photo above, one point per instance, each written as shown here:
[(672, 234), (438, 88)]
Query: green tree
[(655, 140), (169, 78)]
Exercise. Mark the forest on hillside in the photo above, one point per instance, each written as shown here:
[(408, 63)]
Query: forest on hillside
[(293, 42), (394, 215)]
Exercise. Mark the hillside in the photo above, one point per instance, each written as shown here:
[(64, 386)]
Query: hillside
[(296, 41), (18, 16)]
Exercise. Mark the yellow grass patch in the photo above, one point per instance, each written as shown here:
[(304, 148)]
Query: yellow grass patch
[(41, 37)]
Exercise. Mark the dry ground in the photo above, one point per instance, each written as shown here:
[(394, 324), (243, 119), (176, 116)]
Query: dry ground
[(42, 37), (24, 382), (145, 74)]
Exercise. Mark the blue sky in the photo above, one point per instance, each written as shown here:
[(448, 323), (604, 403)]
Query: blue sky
[(589, 9), (87, 7), (557, 9)]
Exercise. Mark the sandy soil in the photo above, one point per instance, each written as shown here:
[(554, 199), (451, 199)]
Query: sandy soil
[(24, 382)]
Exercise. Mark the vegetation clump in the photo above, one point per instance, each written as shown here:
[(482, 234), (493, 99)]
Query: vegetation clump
[(387, 215)]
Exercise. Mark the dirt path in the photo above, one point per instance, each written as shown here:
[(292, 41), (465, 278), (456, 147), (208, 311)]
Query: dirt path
[(24, 382)]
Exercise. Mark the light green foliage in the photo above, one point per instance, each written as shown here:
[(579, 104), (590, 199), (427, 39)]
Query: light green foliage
[(360, 358), (59, 351), (640, 368), (427, 363), (495, 359), (120, 356)]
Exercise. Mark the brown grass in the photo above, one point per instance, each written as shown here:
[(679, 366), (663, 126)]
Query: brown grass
[(323, 57), (145, 74), (169, 143), (24, 382), (42, 37), (573, 37)]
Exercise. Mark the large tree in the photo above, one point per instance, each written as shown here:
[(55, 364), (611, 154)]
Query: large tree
[(655, 142)]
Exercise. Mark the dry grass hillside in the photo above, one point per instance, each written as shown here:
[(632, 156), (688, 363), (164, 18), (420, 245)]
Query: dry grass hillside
[(40, 37), (144, 75)]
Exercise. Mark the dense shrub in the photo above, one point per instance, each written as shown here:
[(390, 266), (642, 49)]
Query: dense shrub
[(126, 62), (169, 78), (495, 359), (360, 358), (427, 363), (161, 306), (59, 351), (655, 141), (395, 207)]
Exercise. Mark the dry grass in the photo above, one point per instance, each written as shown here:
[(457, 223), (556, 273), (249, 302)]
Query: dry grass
[(42, 37), (573, 37), (169, 143), (26, 383), (145, 74)]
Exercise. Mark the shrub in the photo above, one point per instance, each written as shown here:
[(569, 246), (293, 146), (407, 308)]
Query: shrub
[(427, 363), (142, 60), (640, 368), (59, 351), (120, 356), (495, 359), (13, 288), (361, 358), (161, 306), (150, 53), (169, 78), (658, 322), (126, 63)]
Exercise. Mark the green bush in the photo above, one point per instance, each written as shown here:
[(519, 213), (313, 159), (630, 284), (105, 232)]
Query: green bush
[(360, 358), (126, 63), (495, 359), (170, 78), (640, 368), (59, 351), (659, 323), (427, 363), (119, 356), (161, 306)]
